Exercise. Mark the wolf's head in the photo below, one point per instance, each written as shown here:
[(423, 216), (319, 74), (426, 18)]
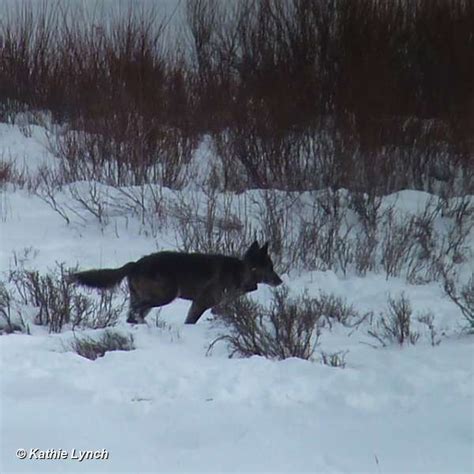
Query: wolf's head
[(261, 265)]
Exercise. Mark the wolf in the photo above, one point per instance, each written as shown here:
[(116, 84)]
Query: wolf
[(206, 279)]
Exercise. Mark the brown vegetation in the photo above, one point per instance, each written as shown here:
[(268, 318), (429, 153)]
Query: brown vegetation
[(300, 94)]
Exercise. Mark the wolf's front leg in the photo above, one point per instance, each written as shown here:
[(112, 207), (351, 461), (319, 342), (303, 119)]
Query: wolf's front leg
[(136, 316), (195, 312), (208, 298)]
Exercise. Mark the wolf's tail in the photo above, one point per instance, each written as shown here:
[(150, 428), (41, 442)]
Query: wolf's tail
[(106, 278)]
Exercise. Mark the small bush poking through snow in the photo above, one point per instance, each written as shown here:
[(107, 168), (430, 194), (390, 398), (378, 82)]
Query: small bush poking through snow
[(91, 348), (60, 302), (335, 309), (5, 172), (427, 319), (290, 327), (463, 297), (8, 322), (395, 325), (334, 359)]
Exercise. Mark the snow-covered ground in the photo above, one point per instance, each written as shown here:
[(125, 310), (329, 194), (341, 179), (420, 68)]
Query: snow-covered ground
[(168, 406)]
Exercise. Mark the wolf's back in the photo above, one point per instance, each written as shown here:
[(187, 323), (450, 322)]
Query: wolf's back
[(105, 278)]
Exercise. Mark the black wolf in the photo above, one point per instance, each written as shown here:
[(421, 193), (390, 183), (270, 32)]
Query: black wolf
[(205, 279)]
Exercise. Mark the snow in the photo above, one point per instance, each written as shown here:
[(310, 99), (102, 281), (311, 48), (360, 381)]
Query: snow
[(27, 149), (169, 406)]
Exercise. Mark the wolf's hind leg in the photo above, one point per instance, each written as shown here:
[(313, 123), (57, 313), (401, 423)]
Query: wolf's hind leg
[(147, 293), (138, 309)]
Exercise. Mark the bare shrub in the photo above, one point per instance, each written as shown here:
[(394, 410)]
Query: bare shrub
[(428, 320), (462, 297), (69, 199), (460, 211), (289, 327), (335, 309), (117, 154), (92, 200), (49, 184), (278, 216), (397, 244), (9, 321), (59, 302), (414, 246), (91, 348), (253, 159), (147, 203), (212, 223), (368, 209), (337, 251), (50, 294), (364, 254), (395, 325), (334, 359), (97, 313), (323, 241), (6, 171), (425, 245), (11, 174)]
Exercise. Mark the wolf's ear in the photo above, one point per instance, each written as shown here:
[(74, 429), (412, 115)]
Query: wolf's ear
[(264, 248), (252, 250)]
